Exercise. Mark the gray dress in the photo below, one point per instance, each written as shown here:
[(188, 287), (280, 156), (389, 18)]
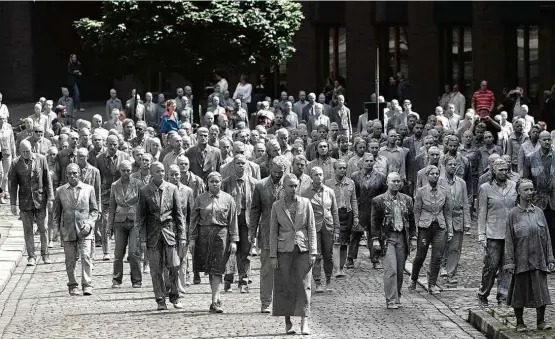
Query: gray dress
[(528, 251)]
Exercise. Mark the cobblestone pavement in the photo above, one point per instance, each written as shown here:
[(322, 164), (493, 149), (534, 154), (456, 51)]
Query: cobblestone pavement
[(462, 296), (36, 304)]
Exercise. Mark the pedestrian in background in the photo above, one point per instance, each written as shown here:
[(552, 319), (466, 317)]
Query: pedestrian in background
[(74, 76)]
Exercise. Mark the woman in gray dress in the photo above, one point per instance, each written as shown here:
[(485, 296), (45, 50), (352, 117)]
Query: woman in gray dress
[(528, 257), (293, 252), (213, 235)]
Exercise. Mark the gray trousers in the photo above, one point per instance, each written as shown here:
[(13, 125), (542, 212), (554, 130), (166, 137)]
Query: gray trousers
[(394, 266), (181, 275), (126, 234), (266, 277), (6, 163), (71, 250), (27, 218), (452, 253), (105, 229), (324, 240), (163, 256), (494, 259)]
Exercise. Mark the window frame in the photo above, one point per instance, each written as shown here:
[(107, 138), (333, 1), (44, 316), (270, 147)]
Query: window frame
[(448, 58)]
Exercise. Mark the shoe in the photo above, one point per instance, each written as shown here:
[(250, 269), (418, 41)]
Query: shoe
[(443, 272), (243, 289), (106, 257), (319, 288), (468, 233), (46, 259), (228, 288), (2, 201), (81, 110), (289, 327), (434, 289), (162, 306), (483, 301), (177, 304), (340, 274), (328, 287), (412, 285), (196, 278), (452, 280), (87, 290), (50, 244), (521, 327), (98, 244), (392, 306), (217, 307), (31, 262), (305, 330), (265, 309), (116, 285), (188, 280), (400, 305), (73, 291), (146, 269), (378, 265), (137, 285), (350, 263), (542, 326)]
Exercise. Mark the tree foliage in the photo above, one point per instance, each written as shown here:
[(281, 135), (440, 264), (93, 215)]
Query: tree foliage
[(187, 36)]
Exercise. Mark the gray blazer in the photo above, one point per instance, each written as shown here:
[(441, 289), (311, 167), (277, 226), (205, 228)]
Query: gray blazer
[(544, 184), (123, 203), (263, 198), (286, 233), (460, 208), (427, 209), (494, 209), (70, 215)]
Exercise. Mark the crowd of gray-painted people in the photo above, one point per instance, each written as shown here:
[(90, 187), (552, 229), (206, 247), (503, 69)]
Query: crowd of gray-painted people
[(292, 181)]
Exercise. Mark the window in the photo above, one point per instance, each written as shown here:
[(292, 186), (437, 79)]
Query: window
[(337, 51), (457, 58), (398, 47), (527, 60)]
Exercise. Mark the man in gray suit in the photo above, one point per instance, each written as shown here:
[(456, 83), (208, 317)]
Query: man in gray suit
[(162, 230), (266, 192), (75, 212), (29, 175)]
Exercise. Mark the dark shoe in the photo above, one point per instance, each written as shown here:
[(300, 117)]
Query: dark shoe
[(377, 265), (543, 326), (87, 290), (521, 327), (412, 285), (137, 285), (319, 288), (227, 287), (46, 259), (434, 289), (243, 289), (350, 263), (116, 285), (483, 301), (196, 278), (218, 307), (74, 291), (289, 327), (162, 306), (265, 309)]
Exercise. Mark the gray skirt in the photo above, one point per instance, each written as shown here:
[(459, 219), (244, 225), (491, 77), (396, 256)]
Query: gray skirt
[(529, 289), (211, 250), (292, 284)]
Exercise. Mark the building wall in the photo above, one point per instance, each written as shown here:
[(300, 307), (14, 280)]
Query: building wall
[(16, 52)]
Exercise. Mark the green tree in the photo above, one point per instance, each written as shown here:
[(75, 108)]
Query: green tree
[(191, 37)]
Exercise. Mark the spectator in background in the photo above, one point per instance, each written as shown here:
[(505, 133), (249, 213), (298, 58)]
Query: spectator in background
[(483, 98), (446, 97), (3, 108), (74, 73), (458, 100), (391, 93), (243, 90), (549, 108)]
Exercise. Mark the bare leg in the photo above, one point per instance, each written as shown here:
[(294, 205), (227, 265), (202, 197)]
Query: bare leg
[(215, 285)]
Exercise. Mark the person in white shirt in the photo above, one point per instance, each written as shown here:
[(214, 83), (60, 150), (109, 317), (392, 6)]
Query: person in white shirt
[(439, 115), (299, 105), (458, 100), (39, 118), (318, 119), (452, 117), (506, 130), (327, 108), (243, 90), (3, 108), (222, 83), (528, 119), (49, 113), (7, 147)]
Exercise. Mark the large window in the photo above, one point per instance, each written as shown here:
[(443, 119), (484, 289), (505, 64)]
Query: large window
[(527, 60), (337, 48), (457, 58), (398, 47)]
